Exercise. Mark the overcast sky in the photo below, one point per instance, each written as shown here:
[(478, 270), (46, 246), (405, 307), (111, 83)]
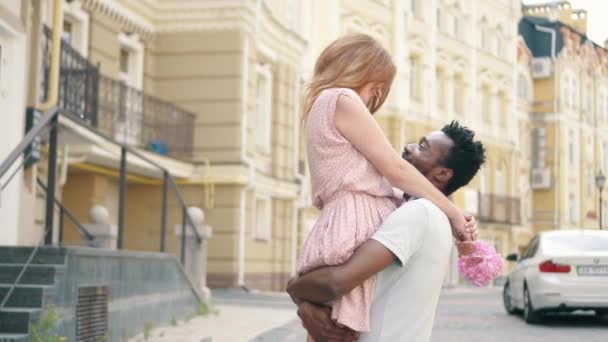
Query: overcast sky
[(597, 21)]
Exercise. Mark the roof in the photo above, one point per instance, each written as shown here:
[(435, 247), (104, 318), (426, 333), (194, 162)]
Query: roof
[(539, 42)]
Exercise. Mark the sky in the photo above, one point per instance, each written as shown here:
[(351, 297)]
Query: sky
[(597, 21)]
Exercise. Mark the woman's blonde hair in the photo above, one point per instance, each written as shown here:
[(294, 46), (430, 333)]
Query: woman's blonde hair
[(351, 61)]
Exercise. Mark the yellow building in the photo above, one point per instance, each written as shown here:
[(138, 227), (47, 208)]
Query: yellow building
[(569, 117)]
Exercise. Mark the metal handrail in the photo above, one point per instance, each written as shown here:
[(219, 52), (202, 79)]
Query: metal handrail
[(69, 214), (28, 139), (52, 116)]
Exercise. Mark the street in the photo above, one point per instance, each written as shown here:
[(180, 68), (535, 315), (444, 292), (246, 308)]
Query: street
[(477, 315)]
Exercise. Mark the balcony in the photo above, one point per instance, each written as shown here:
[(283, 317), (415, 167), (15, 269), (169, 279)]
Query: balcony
[(122, 112), (499, 209)]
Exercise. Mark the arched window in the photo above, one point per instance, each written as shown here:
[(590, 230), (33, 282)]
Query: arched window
[(522, 87)]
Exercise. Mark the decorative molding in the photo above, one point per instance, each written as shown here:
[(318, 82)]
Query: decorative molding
[(132, 21)]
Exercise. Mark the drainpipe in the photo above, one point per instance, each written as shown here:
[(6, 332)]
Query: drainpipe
[(244, 157), (53, 91), (553, 34)]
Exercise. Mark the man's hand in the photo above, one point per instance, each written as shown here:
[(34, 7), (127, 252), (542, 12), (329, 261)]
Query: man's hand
[(317, 321), (297, 301)]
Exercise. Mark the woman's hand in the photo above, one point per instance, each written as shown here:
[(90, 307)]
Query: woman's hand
[(463, 227), (465, 237)]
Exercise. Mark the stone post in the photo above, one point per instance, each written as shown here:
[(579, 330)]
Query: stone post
[(196, 254), (103, 231)]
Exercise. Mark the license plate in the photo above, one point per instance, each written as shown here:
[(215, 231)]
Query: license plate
[(592, 270)]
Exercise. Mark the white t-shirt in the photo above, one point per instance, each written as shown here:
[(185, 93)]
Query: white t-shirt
[(406, 293)]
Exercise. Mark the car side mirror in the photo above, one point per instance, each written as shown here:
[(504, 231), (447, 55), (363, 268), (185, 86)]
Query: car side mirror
[(512, 257)]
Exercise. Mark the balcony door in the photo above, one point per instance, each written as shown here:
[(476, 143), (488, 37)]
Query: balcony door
[(130, 118)]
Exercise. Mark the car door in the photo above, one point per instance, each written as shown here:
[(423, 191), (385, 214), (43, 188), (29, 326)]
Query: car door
[(519, 272)]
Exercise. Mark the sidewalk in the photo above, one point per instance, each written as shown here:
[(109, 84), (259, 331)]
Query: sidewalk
[(241, 316)]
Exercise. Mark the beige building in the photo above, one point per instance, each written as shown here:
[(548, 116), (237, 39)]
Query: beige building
[(569, 117), (235, 67)]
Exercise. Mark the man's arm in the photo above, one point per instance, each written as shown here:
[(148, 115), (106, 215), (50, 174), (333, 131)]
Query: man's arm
[(317, 321), (330, 282)]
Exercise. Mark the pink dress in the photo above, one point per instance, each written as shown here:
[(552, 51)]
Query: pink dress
[(354, 199)]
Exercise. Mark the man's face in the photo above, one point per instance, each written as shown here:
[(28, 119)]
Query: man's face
[(427, 155)]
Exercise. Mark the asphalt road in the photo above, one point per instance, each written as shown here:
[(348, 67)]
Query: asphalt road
[(477, 315)]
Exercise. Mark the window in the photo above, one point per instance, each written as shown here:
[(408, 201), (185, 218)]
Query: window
[(76, 27), (538, 143), (590, 182), (574, 94), (522, 87), (67, 34), (504, 110), (294, 15), (414, 7), (124, 61), (486, 104), (262, 229), (573, 209), (566, 90), (499, 182), (600, 105), (458, 94), (263, 108), (131, 60), (439, 24), (571, 147), (589, 105), (415, 79), (456, 26), (484, 38), (440, 86), (499, 47), (605, 156)]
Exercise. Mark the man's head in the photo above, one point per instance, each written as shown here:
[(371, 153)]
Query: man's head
[(449, 158)]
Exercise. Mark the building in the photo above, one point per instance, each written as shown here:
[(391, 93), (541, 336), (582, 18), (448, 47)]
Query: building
[(207, 90), (569, 116)]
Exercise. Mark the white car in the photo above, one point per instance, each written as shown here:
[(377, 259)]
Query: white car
[(564, 270)]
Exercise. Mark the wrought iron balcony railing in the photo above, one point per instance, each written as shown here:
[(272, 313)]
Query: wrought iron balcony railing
[(122, 112), (499, 209), (136, 119)]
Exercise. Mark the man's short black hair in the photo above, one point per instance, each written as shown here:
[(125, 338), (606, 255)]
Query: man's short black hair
[(464, 158)]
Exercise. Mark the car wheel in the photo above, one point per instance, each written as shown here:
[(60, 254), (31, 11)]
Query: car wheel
[(507, 300), (530, 315)]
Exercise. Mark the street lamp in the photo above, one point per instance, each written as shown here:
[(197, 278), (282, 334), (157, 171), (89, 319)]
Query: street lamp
[(600, 180)]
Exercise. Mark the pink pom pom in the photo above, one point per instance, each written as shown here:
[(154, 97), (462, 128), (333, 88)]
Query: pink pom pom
[(483, 266)]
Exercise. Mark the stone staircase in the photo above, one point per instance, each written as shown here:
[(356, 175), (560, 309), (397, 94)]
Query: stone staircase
[(33, 294)]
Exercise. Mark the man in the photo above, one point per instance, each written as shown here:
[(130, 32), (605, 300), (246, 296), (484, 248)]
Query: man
[(410, 251)]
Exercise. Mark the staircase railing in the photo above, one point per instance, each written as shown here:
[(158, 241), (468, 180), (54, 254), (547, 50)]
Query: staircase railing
[(50, 121)]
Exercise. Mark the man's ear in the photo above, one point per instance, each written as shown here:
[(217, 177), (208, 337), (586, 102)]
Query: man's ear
[(444, 175)]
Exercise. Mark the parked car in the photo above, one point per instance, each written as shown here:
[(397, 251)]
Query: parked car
[(560, 271)]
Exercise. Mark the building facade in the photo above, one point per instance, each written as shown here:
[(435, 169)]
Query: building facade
[(569, 117), (211, 91)]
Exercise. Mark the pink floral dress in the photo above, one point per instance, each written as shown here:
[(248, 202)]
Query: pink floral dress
[(354, 199)]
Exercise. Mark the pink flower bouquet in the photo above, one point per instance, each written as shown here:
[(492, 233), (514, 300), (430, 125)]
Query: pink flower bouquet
[(482, 266)]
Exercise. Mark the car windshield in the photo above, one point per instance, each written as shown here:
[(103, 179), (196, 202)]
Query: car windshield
[(561, 244)]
